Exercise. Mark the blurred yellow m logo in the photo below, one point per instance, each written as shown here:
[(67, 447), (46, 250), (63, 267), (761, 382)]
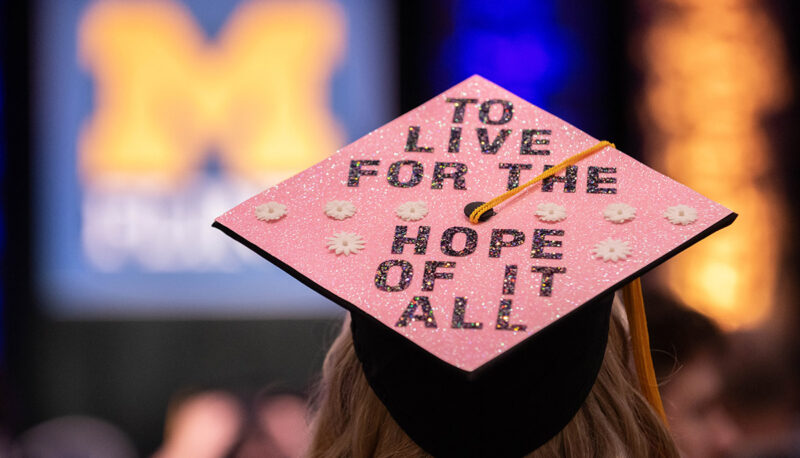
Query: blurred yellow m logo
[(164, 97)]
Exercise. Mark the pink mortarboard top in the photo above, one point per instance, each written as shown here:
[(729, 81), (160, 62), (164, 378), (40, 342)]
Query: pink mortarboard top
[(380, 226)]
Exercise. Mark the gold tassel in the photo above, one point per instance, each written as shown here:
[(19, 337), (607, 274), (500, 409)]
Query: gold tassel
[(640, 341)]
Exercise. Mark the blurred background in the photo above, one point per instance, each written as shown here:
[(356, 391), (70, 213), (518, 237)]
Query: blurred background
[(130, 325)]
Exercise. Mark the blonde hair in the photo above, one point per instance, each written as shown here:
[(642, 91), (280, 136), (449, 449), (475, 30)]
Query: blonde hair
[(615, 420)]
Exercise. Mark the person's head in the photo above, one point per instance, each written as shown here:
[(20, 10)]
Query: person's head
[(687, 348), (480, 322), (278, 427), (762, 393), (201, 424), (615, 420)]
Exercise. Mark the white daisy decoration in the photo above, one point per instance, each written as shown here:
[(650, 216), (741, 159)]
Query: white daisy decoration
[(345, 243), (681, 214), (550, 212), (270, 211), (412, 211), (612, 250), (619, 213), (340, 209)]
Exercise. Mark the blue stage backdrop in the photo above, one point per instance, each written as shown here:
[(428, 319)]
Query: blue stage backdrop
[(153, 117)]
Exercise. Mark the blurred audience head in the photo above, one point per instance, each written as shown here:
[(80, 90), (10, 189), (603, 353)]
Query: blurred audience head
[(216, 424), (75, 436), (763, 395), (204, 424), (687, 353), (279, 426)]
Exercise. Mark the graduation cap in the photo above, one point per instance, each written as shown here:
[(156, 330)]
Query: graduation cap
[(477, 242)]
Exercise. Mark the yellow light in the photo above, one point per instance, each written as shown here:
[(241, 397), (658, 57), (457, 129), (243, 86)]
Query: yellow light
[(164, 97), (712, 70)]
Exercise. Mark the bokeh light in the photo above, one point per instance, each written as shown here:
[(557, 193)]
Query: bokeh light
[(713, 70)]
